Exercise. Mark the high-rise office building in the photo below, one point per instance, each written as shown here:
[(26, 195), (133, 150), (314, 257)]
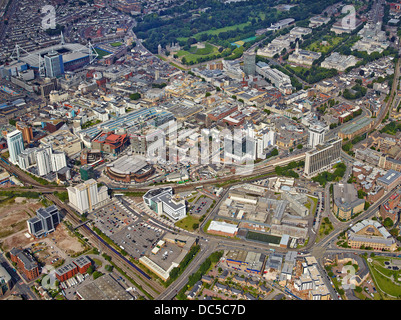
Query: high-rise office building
[(27, 158), (46, 220), (58, 160), (85, 197), (316, 135), (54, 66), (322, 157), (249, 63), (15, 145), (43, 160), (86, 172), (27, 133)]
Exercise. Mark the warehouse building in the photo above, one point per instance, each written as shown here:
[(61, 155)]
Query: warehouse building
[(104, 288), (223, 228)]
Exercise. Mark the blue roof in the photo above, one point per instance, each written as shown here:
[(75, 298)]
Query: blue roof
[(389, 177)]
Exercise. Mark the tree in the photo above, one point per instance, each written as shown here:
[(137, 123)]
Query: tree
[(274, 152), (90, 270), (388, 223), (135, 96), (361, 194), (109, 268)]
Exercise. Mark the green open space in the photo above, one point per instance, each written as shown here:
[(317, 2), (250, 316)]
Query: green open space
[(215, 31), (262, 237), (195, 53), (116, 44), (101, 53), (313, 74), (386, 280), (319, 46), (189, 223)]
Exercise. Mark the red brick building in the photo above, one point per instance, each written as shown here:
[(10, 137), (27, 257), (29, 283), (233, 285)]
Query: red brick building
[(390, 208), (67, 271), (25, 263), (111, 143), (222, 112)]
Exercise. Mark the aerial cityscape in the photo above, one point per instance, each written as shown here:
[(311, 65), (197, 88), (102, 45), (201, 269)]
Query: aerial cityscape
[(204, 150)]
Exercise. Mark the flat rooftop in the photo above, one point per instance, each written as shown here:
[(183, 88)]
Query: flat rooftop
[(104, 288)]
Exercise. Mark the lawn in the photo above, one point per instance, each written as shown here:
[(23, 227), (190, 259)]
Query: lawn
[(189, 223), (216, 31), (263, 237), (382, 275), (332, 41), (312, 209), (325, 227), (194, 53), (116, 44), (101, 53)]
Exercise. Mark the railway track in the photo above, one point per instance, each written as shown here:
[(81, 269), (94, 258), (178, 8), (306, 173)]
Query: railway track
[(236, 178), (148, 284)]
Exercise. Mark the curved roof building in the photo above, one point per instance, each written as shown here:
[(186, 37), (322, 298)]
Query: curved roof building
[(129, 168)]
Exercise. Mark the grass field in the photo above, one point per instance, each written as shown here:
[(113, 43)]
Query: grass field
[(216, 31), (386, 280), (188, 223), (101, 53), (262, 237), (116, 44), (332, 41), (194, 53)]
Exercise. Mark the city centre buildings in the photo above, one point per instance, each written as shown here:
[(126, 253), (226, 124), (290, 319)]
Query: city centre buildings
[(322, 157), (162, 201), (87, 196), (15, 145)]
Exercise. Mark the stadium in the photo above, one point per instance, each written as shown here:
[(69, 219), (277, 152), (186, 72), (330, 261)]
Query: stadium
[(62, 57)]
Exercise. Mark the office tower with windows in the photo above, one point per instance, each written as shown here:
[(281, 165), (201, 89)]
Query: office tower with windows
[(316, 135), (322, 157), (54, 66), (15, 144), (249, 63), (85, 197), (46, 220), (43, 160)]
